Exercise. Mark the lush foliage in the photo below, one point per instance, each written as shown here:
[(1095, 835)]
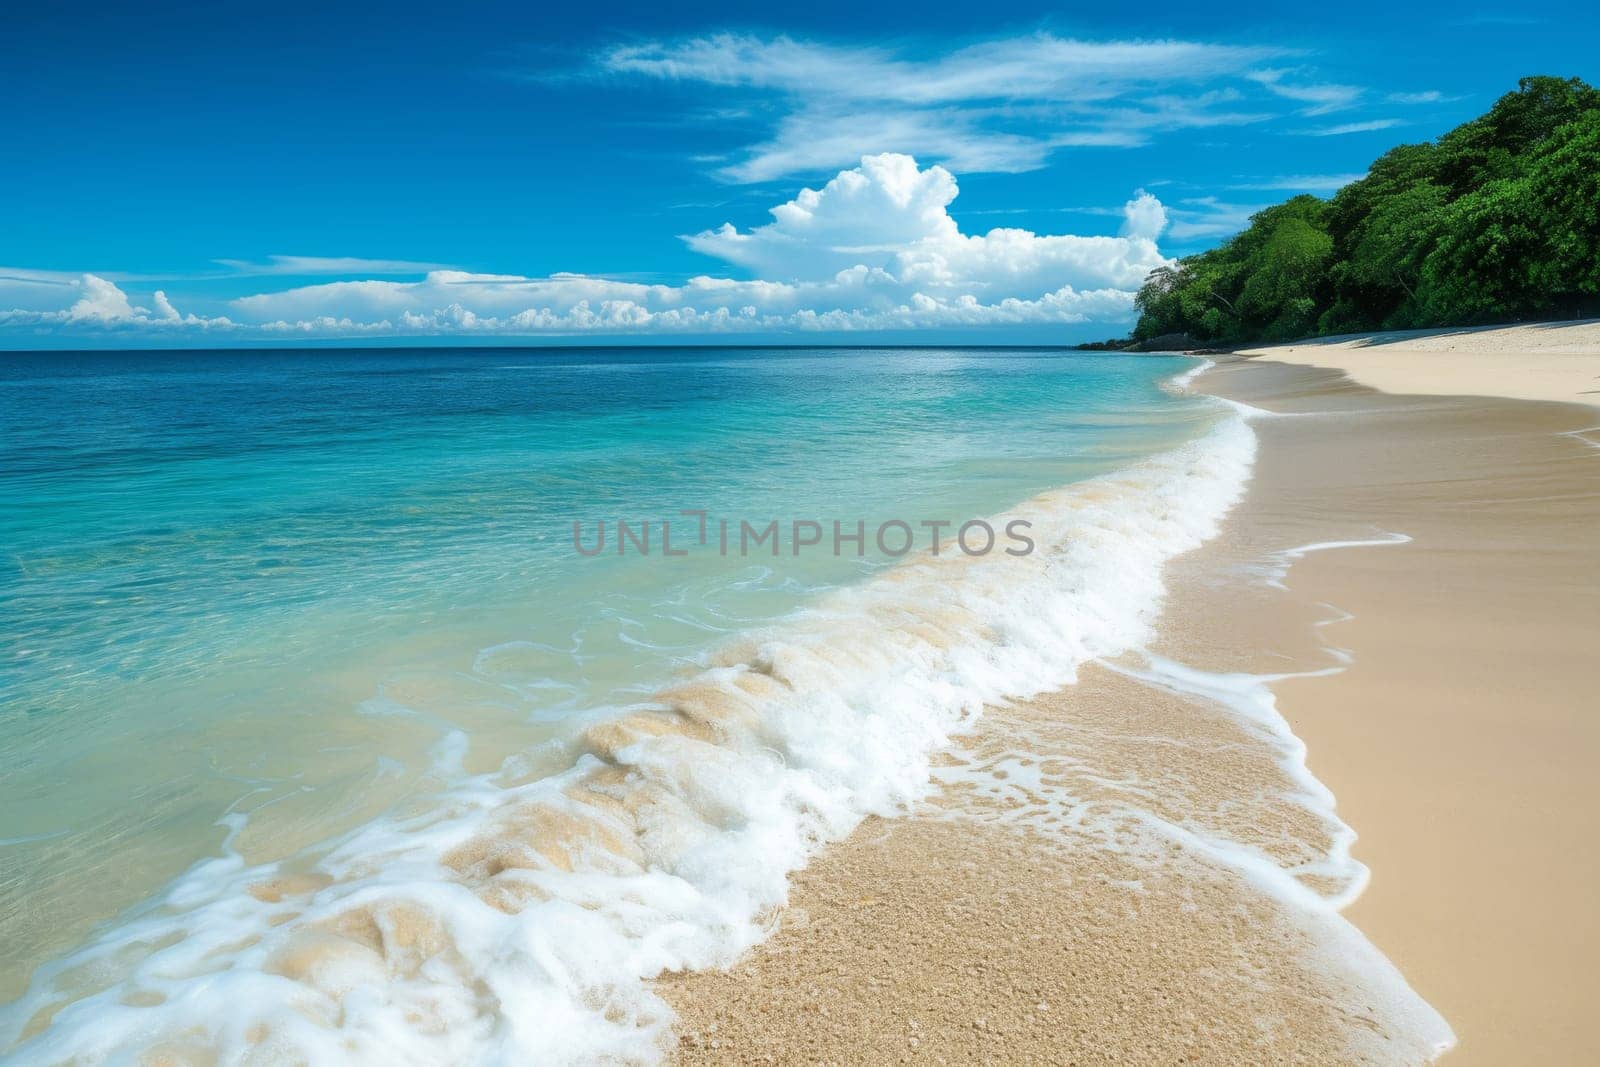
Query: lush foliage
[(1497, 220)]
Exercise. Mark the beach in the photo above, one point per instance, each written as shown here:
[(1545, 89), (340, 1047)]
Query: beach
[(1538, 361), (682, 540), (1147, 865), (1271, 746), (431, 781)]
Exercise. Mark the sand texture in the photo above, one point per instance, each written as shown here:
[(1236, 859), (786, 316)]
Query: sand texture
[(1557, 361), (1132, 870)]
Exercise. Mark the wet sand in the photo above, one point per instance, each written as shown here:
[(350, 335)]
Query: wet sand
[(1463, 739), (1124, 872)]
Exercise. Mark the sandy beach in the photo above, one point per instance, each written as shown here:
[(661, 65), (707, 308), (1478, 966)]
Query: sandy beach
[(1538, 361), (1147, 866), (689, 539)]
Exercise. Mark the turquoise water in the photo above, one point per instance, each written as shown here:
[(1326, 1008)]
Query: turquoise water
[(304, 588)]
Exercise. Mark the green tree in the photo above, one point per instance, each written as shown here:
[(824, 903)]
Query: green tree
[(1480, 271), (1286, 271), (1498, 219), (1564, 189), (1386, 251), (1493, 145), (1527, 245)]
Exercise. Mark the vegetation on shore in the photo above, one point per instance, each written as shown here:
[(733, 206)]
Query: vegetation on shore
[(1496, 221)]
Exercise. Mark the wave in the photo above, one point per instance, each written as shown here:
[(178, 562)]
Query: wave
[(521, 914)]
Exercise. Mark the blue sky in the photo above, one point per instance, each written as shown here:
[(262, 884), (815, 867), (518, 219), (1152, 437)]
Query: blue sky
[(562, 173)]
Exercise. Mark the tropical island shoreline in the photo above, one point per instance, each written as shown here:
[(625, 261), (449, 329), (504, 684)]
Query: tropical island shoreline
[(701, 537), (1553, 361), (1415, 577)]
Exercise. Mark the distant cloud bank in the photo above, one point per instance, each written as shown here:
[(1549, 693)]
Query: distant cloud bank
[(873, 249), (870, 246)]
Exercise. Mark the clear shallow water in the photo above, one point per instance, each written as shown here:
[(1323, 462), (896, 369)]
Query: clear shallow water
[(264, 598)]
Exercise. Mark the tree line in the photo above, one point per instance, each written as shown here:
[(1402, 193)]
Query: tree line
[(1496, 221)]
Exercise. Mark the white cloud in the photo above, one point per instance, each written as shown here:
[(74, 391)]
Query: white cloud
[(1354, 127), (1002, 105), (875, 248), (1300, 183), (1036, 67), (102, 302), (864, 215), (1143, 216), (39, 290), (164, 309), (98, 304), (891, 217), (1320, 98), (20, 276), (821, 138), (484, 294), (1206, 217), (309, 265)]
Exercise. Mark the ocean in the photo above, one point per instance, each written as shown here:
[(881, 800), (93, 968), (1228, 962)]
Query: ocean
[(419, 705)]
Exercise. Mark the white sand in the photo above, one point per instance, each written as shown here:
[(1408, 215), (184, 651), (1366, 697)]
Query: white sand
[(1539, 361), (1460, 741)]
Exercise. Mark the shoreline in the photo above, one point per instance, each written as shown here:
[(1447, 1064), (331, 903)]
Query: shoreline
[(657, 835), (936, 935), (1551, 361), (1467, 767)]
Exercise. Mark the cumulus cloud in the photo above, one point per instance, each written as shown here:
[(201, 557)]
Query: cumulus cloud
[(96, 303), (102, 302), (164, 309), (864, 215), (874, 248), (891, 217), (1144, 217), (479, 294)]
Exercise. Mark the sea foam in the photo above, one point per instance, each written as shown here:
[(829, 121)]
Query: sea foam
[(516, 917)]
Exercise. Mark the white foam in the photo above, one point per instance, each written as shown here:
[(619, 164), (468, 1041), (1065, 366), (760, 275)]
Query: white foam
[(684, 839), (1180, 383), (1406, 1028), (1276, 567), (1183, 383), (1583, 435), (1250, 696), (1054, 791)]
